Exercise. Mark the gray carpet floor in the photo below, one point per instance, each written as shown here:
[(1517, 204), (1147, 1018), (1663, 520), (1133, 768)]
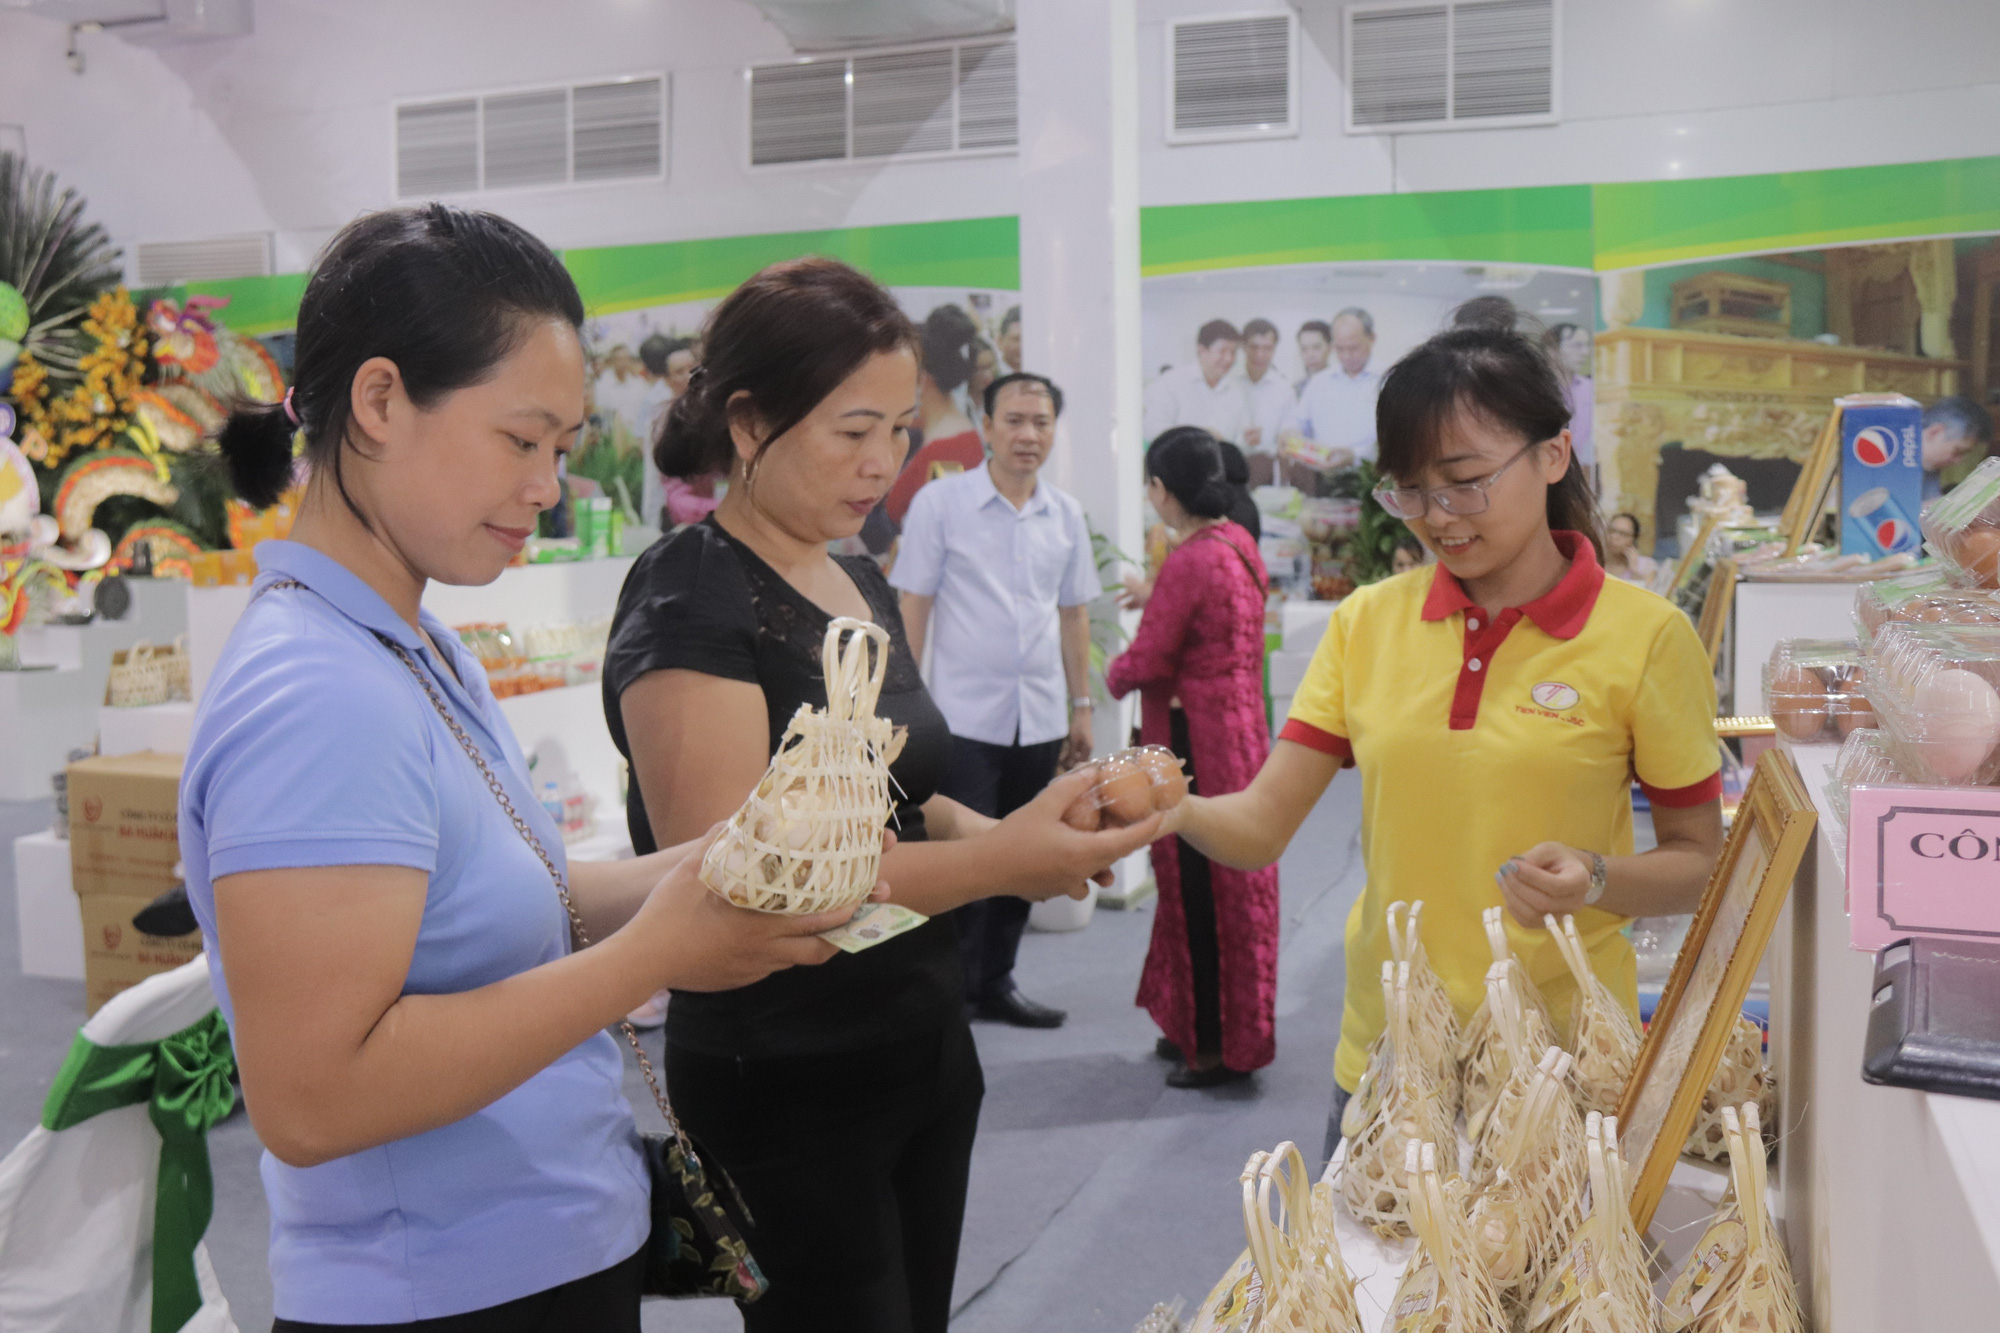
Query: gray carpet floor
[(1096, 1189)]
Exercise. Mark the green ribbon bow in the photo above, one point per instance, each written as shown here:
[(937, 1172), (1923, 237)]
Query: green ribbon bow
[(184, 1082)]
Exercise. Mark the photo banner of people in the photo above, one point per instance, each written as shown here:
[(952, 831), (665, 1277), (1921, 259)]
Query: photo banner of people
[(640, 361), (1283, 363)]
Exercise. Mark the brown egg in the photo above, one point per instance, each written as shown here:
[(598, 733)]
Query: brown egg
[(1798, 702), (1928, 612), (1170, 784), (1859, 712), (1125, 794), (1977, 551)]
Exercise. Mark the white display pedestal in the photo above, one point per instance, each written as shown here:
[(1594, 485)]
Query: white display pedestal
[(161, 727), (1766, 613), (52, 709), (51, 928), (1891, 1197)]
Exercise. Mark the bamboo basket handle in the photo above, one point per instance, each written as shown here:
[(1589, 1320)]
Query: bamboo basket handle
[(1395, 919), (853, 674), (1578, 968), (1413, 943), (1255, 1223), (1496, 935)]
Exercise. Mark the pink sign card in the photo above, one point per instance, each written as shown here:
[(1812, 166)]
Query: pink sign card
[(1923, 861)]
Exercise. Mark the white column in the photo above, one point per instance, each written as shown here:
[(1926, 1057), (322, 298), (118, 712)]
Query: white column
[(1079, 161)]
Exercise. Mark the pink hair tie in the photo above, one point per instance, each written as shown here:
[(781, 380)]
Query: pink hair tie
[(291, 413)]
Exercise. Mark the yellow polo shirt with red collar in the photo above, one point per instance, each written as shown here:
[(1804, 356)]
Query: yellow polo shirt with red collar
[(1479, 736)]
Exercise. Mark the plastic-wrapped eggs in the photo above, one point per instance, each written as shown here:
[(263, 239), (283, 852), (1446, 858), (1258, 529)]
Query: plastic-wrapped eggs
[(1798, 701), (1976, 551), (1960, 721)]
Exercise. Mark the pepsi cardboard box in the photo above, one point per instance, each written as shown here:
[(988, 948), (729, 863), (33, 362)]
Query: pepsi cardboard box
[(1881, 474)]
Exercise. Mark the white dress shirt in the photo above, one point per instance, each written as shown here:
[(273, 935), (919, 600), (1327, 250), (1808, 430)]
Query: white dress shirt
[(1271, 402), (997, 574), (1182, 397), (1337, 409)]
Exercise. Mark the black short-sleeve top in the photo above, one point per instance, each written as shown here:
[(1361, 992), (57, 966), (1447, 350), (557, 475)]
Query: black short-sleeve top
[(700, 600)]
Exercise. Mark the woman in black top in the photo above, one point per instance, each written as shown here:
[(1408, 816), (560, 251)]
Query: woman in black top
[(844, 1102)]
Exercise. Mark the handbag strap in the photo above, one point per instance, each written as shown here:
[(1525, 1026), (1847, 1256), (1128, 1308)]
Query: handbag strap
[(1257, 577), (578, 933)]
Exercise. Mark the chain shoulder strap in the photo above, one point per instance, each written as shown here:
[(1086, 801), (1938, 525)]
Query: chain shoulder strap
[(579, 935)]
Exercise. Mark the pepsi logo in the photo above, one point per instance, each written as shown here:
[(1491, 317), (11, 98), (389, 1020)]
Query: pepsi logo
[(1875, 446), (1893, 535)]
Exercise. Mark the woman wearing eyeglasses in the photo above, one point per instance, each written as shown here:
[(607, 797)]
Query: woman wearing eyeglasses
[(1498, 705)]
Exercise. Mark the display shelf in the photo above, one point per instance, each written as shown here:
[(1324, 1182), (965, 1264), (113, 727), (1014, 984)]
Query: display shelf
[(1891, 1197), (53, 709), (45, 911), (1766, 613)]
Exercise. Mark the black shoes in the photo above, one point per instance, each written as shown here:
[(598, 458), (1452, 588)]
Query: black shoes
[(1214, 1076), (1008, 1005), (1167, 1049)]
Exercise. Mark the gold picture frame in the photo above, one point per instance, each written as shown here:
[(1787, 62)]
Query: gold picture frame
[(1816, 478), (1704, 994), (1715, 607), (1690, 560)]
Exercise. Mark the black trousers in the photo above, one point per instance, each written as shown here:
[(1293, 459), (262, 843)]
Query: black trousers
[(1198, 905), (995, 780), (604, 1302), (854, 1168)]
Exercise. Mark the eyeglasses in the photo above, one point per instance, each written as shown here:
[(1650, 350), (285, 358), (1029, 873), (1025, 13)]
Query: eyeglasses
[(1469, 497)]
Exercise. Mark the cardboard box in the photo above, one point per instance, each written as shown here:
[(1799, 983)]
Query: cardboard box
[(1881, 474), (117, 955), (124, 833)]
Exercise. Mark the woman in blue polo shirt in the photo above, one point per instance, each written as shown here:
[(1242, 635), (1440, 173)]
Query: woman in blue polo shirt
[(423, 1054)]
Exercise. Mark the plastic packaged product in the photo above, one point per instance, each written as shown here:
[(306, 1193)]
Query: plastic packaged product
[(1131, 785), (1933, 687), (1925, 596), (1813, 689), (1963, 528), (1864, 760)]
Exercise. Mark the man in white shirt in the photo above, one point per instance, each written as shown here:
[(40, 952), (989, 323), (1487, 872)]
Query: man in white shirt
[(1202, 394), (1001, 562), (1270, 399), (1315, 347), (1333, 425)]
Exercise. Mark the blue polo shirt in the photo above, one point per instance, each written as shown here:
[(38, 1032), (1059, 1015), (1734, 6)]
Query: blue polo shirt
[(314, 746)]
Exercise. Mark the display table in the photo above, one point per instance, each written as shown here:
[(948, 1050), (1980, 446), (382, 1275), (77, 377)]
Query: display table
[(1890, 1197), (45, 911)]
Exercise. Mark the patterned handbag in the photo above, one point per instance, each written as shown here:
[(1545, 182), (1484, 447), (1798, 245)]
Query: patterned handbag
[(697, 1246)]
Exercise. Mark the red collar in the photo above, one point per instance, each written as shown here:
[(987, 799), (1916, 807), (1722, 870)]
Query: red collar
[(1561, 612)]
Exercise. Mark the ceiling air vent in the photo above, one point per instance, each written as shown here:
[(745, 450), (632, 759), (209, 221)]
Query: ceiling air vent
[(902, 102), (932, 101), (170, 263), (988, 93), (1232, 78), (604, 131), (1465, 65)]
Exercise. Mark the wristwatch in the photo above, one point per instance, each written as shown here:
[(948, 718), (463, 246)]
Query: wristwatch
[(1597, 875), (1081, 701)]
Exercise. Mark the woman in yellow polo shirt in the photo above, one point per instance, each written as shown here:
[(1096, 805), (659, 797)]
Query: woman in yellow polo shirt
[(1497, 704)]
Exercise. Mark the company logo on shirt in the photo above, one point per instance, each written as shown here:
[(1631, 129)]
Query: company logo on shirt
[(1554, 695)]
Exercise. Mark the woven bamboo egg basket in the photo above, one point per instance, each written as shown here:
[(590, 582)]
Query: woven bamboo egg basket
[(1603, 1036), (809, 839)]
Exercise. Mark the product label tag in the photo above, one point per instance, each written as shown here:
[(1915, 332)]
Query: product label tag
[(872, 925), (1714, 1262), (1564, 1287), (1416, 1308)]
